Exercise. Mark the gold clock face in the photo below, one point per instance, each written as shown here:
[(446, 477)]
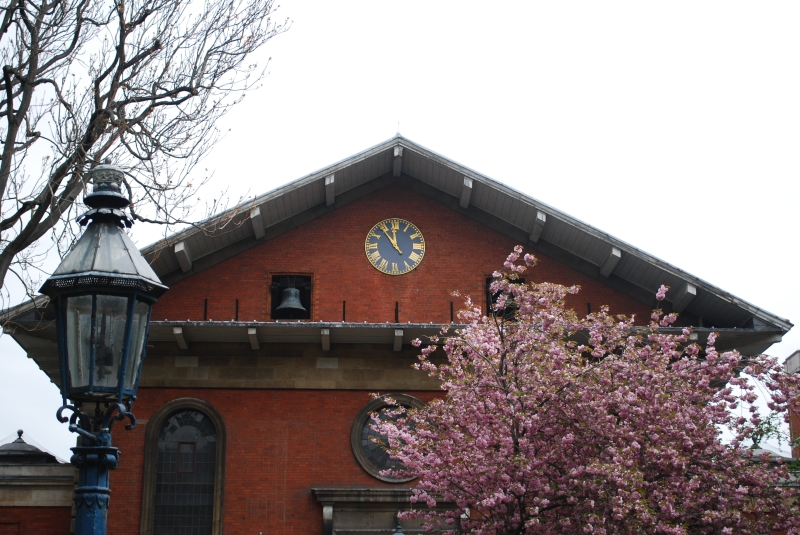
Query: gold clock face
[(394, 246)]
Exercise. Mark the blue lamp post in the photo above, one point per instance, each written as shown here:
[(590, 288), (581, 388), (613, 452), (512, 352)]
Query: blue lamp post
[(103, 292)]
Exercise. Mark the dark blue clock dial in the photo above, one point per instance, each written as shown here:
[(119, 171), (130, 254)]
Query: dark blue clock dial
[(394, 246)]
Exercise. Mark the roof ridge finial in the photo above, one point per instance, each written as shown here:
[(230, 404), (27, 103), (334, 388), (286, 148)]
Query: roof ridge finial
[(19, 433)]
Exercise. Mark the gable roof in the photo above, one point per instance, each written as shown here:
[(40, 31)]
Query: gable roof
[(537, 226), (533, 223)]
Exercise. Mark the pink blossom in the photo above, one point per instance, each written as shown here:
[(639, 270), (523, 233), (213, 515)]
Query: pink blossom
[(662, 292), (539, 434)]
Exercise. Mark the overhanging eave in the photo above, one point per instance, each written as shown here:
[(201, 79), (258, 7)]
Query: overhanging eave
[(39, 339)]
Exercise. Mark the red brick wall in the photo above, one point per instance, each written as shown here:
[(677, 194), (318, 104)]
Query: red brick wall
[(38, 520), (794, 431), (459, 254), (280, 444)]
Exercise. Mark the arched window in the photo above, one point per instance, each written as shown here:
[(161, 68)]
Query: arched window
[(184, 465)]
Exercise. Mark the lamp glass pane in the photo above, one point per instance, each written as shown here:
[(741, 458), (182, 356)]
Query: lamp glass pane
[(111, 256), (138, 330), (79, 336), (109, 338)]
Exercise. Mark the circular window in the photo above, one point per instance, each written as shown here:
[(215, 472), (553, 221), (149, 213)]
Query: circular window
[(369, 447)]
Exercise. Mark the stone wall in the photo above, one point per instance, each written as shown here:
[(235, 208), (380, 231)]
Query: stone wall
[(372, 367), (36, 499)]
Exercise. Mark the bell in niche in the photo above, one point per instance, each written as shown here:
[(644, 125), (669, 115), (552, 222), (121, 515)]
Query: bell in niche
[(290, 302)]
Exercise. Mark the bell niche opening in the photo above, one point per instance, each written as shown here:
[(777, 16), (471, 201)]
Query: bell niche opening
[(291, 297)]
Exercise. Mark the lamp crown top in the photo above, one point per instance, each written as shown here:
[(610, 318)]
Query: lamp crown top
[(107, 180)]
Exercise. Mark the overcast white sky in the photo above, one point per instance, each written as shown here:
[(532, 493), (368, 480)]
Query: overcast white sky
[(673, 126)]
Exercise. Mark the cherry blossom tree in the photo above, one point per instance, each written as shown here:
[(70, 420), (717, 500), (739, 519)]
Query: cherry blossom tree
[(555, 424)]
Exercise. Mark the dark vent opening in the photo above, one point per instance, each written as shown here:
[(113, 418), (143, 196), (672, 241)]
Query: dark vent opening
[(491, 298)]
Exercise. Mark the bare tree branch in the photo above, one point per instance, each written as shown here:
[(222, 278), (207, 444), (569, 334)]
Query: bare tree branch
[(140, 81)]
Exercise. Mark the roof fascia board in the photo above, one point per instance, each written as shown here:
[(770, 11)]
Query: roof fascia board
[(447, 200), (47, 331), (38, 302), (491, 221), (273, 231), (213, 257), (549, 249), (245, 206), (41, 346), (596, 233)]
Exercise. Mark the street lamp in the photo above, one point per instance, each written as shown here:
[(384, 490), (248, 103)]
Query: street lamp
[(103, 292)]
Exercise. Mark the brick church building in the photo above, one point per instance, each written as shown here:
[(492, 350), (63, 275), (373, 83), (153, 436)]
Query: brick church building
[(278, 325), (792, 365)]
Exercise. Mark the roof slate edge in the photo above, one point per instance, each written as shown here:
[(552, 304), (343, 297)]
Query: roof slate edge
[(399, 140), (38, 302), (305, 324), (599, 234), (281, 190)]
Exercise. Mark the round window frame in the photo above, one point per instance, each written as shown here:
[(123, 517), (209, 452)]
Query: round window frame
[(358, 425)]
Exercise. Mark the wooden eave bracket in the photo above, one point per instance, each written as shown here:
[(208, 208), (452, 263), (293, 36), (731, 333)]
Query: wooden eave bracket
[(184, 256), (398, 340), (537, 227), (325, 336), (610, 262), (466, 193), (258, 223), (330, 190), (252, 335), (792, 363), (683, 297), (177, 332), (397, 165)]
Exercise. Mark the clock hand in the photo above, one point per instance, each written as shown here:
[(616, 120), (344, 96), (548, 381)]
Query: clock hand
[(393, 241)]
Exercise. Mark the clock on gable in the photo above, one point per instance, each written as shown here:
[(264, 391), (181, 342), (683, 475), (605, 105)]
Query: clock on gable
[(394, 246)]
